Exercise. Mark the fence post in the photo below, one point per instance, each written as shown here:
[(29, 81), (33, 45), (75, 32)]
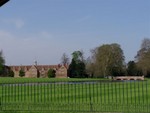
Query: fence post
[(91, 106), (147, 102), (0, 98)]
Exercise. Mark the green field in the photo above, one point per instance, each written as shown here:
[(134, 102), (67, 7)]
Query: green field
[(73, 96), (27, 80)]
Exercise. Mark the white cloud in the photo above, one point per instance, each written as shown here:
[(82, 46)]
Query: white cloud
[(4, 34), (18, 23), (46, 34), (43, 46), (27, 49), (84, 18)]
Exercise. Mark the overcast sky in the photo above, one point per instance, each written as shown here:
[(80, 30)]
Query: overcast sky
[(43, 30)]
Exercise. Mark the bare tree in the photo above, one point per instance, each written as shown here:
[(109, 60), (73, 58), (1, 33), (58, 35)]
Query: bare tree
[(65, 59), (143, 57), (146, 44)]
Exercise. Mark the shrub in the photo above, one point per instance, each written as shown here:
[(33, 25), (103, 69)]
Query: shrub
[(51, 73), (21, 73), (11, 73)]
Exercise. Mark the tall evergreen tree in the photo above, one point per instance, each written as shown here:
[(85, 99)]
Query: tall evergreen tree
[(132, 69), (77, 67), (2, 63)]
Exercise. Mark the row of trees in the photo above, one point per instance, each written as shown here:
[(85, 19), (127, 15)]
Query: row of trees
[(108, 60)]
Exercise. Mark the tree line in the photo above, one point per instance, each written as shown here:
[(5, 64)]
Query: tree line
[(106, 60)]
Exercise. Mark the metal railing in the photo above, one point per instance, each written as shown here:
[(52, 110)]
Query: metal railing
[(74, 97)]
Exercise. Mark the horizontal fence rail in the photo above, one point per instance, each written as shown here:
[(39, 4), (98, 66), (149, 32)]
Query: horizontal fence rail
[(74, 97)]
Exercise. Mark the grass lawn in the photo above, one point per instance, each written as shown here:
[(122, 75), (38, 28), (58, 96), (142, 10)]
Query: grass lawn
[(27, 80), (72, 96)]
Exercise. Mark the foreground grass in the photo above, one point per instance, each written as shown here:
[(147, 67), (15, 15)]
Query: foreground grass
[(55, 95)]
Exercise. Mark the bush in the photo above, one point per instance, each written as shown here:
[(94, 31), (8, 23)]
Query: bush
[(11, 73), (21, 73), (51, 73)]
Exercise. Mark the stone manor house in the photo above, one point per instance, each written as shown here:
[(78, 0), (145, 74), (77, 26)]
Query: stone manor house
[(40, 71)]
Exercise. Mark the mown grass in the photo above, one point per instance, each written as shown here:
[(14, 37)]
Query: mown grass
[(72, 95), (33, 80)]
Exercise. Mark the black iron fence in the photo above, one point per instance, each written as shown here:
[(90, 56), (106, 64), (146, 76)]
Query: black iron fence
[(74, 97)]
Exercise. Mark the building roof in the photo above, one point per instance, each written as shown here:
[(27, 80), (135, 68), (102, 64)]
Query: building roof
[(39, 67)]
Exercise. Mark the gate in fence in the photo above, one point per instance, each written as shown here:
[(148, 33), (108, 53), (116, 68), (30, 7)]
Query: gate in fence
[(74, 97)]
